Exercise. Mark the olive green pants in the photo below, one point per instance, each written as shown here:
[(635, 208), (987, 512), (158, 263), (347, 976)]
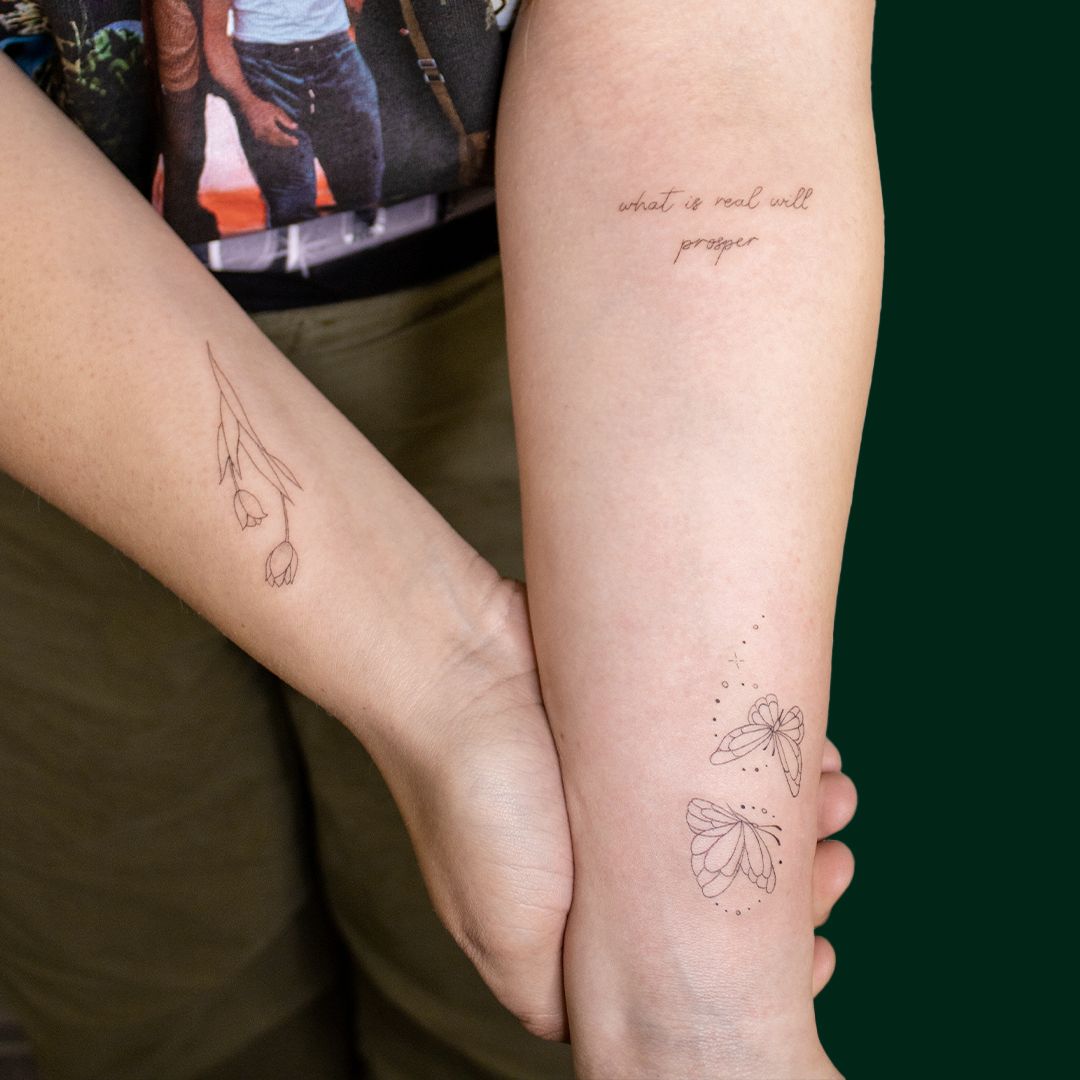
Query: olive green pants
[(201, 873)]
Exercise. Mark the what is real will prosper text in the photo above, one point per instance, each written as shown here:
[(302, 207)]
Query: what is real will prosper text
[(682, 201)]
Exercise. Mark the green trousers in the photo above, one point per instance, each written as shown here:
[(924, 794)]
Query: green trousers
[(201, 873)]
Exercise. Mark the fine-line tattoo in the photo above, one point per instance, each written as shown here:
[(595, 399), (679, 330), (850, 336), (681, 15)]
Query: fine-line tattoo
[(235, 434), (768, 729), (698, 203), (726, 843)]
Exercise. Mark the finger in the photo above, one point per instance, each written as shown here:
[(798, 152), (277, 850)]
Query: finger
[(834, 867), (284, 120), (824, 964), (830, 762), (837, 799), (280, 138)]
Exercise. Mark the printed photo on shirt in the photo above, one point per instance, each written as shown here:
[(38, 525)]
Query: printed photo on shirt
[(270, 112), (240, 115)]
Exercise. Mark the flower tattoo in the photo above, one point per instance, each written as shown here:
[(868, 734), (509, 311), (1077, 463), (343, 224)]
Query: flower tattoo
[(248, 509), (281, 564), (236, 436)]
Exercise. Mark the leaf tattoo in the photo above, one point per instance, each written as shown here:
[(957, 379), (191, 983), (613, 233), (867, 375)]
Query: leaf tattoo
[(235, 438)]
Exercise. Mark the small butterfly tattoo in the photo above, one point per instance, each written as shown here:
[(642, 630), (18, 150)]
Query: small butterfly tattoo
[(726, 844), (766, 728)]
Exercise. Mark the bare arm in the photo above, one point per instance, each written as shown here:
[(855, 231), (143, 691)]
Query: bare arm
[(111, 409), (691, 334)]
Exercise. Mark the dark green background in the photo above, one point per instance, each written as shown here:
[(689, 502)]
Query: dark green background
[(944, 705)]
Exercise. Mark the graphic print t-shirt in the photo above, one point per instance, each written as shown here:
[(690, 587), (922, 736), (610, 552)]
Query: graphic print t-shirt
[(284, 24), (254, 124)]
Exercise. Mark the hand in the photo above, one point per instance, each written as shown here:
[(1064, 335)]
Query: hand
[(269, 123), (481, 794)]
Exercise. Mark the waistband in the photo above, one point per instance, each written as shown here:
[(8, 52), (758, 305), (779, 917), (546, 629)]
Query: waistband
[(297, 50), (412, 259)]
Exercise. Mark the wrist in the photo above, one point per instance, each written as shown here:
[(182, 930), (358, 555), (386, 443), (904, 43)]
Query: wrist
[(443, 645), (654, 991), (725, 1035), (389, 605), (244, 100)]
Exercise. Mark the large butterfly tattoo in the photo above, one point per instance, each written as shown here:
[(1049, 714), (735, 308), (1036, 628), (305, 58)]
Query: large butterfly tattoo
[(766, 728), (725, 843)]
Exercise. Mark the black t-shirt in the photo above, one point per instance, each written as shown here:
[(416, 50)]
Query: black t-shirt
[(301, 140)]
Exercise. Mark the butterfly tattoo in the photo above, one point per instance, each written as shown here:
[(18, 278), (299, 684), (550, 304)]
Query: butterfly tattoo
[(726, 844), (766, 728)]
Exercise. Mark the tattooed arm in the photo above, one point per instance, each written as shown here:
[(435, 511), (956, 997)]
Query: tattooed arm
[(691, 228), (294, 536)]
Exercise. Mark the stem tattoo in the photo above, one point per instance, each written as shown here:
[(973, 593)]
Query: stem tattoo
[(235, 436)]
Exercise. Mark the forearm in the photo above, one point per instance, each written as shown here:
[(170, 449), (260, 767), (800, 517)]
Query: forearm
[(221, 57), (688, 419), (110, 409)]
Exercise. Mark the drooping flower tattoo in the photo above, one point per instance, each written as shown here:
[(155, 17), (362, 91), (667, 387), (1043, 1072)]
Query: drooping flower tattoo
[(236, 438)]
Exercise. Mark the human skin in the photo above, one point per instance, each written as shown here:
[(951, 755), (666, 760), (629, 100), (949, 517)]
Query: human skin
[(110, 409), (393, 623), (688, 411), (269, 122)]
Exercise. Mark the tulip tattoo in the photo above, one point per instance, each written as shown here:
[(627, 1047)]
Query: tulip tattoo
[(248, 509), (281, 564), (236, 436)]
